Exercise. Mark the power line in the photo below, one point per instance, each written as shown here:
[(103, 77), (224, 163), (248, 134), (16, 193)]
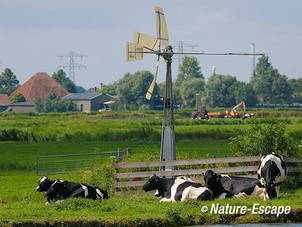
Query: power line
[(181, 47), (72, 64)]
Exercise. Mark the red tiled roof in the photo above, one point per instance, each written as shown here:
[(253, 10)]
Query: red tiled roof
[(4, 100), (40, 85)]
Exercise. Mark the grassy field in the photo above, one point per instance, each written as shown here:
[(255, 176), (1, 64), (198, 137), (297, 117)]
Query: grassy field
[(23, 137), (20, 204)]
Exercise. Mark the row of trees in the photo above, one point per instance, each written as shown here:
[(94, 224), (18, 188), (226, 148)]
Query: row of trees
[(267, 86)]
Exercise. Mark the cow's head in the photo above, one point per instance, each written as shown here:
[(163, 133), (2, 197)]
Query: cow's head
[(43, 184), (152, 183), (271, 191), (210, 179)]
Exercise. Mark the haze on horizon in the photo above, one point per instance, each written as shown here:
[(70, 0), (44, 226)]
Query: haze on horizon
[(33, 32)]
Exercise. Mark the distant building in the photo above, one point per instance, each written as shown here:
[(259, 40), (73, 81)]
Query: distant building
[(92, 90), (40, 85), (21, 107), (4, 102), (87, 102)]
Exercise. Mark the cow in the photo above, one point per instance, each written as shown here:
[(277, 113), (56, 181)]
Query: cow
[(224, 186), (177, 189), (59, 190), (271, 173)]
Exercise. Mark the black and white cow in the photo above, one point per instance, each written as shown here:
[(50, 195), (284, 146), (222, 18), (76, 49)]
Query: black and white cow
[(59, 190), (177, 189), (271, 173), (224, 186)]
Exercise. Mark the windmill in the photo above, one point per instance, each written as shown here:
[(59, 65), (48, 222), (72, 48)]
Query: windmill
[(144, 44)]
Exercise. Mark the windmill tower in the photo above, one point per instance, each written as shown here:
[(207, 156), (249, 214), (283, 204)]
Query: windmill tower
[(144, 44)]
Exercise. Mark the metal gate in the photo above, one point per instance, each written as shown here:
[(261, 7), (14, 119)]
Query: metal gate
[(62, 164)]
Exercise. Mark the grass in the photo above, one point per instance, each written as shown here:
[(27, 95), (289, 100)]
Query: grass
[(25, 136), (22, 156), (19, 202)]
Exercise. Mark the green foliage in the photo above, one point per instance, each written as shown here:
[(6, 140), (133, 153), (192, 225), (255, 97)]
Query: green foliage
[(17, 98), (189, 89), (296, 86), (101, 175), (107, 89), (244, 92), (52, 103), (65, 82), (270, 86), (189, 69), (262, 139), (8, 82), (132, 89), (219, 91)]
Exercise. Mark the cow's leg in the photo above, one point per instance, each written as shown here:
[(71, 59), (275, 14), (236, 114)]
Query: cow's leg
[(59, 201), (78, 193), (241, 195), (165, 200), (278, 190)]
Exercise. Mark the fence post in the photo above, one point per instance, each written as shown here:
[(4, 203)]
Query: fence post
[(127, 152), (37, 165), (116, 180), (214, 165), (118, 154)]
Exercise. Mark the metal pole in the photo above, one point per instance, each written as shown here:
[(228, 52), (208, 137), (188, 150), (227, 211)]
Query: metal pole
[(253, 57), (167, 152)]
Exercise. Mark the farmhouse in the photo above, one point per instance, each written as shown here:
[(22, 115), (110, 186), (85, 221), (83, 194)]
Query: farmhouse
[(4, 102), (21, 107), (87, 102), (39, 85)]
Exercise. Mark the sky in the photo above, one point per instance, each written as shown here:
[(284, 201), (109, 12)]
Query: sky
[(33, 33)]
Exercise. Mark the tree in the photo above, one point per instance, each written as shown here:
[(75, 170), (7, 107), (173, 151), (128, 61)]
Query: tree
[(270, 86), (17, 98), (65, 82), (8, 82), (296, 86), (132, 88), (107, 89), (219, 91), (189, 69), (244, 92), (264, 139), (189, 89), (53, 103)]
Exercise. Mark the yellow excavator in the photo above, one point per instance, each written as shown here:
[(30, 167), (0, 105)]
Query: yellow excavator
[(233, 113), (202, 113)]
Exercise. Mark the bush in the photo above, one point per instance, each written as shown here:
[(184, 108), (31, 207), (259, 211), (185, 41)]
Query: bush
[(101, 175), (262, 139)]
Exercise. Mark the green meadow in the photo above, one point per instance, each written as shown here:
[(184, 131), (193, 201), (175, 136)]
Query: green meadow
[(25, 136)]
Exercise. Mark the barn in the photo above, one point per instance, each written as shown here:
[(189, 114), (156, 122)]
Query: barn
[(87, 102)]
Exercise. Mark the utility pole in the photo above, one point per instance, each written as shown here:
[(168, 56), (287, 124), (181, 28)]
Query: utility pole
[(72, 64)]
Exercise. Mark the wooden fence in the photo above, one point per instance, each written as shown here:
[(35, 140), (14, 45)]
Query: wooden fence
[(133, 174)]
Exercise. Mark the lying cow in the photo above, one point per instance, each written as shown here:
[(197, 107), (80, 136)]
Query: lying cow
[(224, 186), (58, 190), (177, 189), (271, 173)]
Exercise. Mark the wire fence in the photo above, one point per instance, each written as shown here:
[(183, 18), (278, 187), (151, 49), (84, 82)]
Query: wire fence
[(63, 164)]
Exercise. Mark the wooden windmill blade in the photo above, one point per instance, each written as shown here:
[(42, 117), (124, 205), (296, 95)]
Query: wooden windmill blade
[(161, 27), (148, 43), (152, 85), (134, 52)]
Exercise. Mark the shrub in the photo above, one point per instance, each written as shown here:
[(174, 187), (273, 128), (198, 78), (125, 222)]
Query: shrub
[(264, 139), (17, 98), (101, 175)]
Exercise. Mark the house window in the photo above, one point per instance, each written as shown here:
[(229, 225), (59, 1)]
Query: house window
[(81, 107)]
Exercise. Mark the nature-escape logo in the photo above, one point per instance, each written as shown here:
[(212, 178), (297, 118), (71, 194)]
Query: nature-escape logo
[(236, 209)]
